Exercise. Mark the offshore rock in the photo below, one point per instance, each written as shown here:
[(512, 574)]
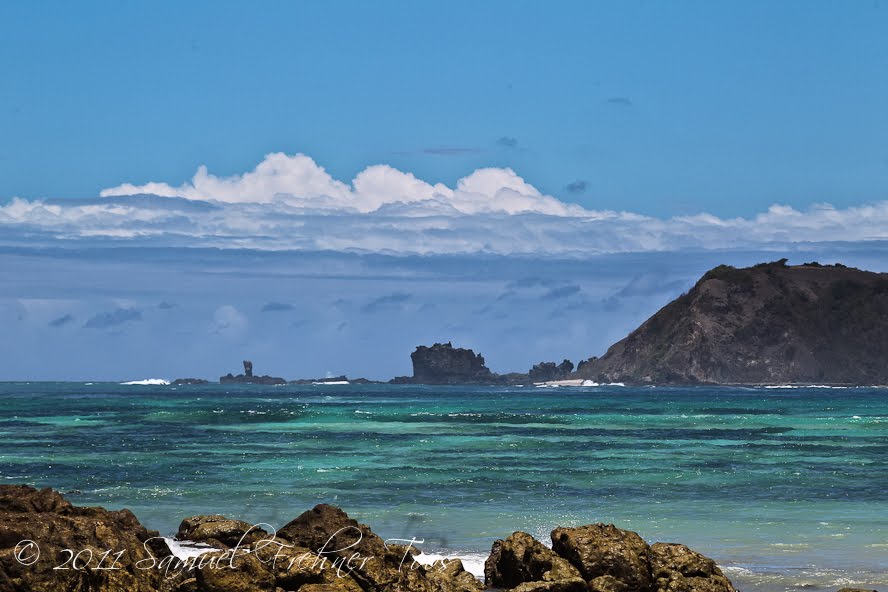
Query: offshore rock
[(444, 364), (248, 378), (548, 371), (180, 381)]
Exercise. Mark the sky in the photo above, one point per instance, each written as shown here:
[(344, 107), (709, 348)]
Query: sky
[(322, 186)]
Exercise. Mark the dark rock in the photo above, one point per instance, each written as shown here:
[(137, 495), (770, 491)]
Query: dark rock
[(390, 568), (219, 531), (449, 575), (546, 371), (520, 558), (676, 568), (190, 381), (248, 378), (767, 324), (49, 520), (599, 550), (444, 364), (243, 573), (856, 590)]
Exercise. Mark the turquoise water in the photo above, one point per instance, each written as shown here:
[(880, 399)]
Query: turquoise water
[(783, 487)]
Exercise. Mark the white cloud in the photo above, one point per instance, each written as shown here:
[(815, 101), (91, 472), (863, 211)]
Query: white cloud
[(291, 203)]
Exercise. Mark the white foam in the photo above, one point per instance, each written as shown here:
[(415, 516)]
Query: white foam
[(187, 549), (472, 562), (148, 382), (331, 382)]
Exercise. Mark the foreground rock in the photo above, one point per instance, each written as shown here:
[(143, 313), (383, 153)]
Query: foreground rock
[(599, 558), (322, 550), (767, 324), (53, 524)]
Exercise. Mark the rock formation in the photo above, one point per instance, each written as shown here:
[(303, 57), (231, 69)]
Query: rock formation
[(444, 364), (248, 378), (52, 524), (599, 558), (181, 381), (546, 371), (767, 324)]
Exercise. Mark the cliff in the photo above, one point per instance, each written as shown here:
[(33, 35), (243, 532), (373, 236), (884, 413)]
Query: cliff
[(767, 324)]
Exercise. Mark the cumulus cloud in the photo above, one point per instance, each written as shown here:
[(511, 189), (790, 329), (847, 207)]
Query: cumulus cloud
[(291, 203)]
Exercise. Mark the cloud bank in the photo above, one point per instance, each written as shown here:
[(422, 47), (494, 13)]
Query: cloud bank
[(291, 203)]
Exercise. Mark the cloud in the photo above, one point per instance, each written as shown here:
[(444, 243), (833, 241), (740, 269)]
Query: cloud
[(228, 321), (620, 101), (165, 305), (393, 300), (112, 319), (578, 186), (61, 321), (276, 307), (289, 203), (561, 292), (507, 142)]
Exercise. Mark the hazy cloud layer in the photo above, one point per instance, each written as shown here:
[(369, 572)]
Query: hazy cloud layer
[(291, 203), (114, 318)]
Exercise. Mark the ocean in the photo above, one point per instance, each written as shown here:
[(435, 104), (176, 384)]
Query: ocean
[(787, 488)]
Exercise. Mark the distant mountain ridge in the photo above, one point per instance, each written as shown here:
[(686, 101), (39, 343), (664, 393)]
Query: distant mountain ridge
[(767, 324)]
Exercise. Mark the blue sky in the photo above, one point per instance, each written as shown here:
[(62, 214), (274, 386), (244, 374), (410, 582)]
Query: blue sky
[(323, 186), (659, 108)]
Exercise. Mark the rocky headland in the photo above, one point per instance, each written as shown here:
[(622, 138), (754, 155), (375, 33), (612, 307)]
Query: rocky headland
[(768, 324), (321, 550)]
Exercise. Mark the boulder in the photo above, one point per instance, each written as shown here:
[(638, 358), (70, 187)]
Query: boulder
[(374, 565), (606, 556), (449, 575), (242, 573), (676, 568), (54, 524), (219, 531), (520, 558)]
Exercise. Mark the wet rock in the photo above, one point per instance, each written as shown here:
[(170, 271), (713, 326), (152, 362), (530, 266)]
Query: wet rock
[(181, 381), (520, 558), (54, 524), (219, 531), (599, 550), (676, 568)]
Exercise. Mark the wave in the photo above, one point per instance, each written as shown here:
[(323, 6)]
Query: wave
[(472, 562), (148, 382)]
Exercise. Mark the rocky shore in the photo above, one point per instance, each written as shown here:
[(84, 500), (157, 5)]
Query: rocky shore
[(49, 545)]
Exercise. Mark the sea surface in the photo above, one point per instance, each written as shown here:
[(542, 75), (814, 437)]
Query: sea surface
[(786, 488)]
